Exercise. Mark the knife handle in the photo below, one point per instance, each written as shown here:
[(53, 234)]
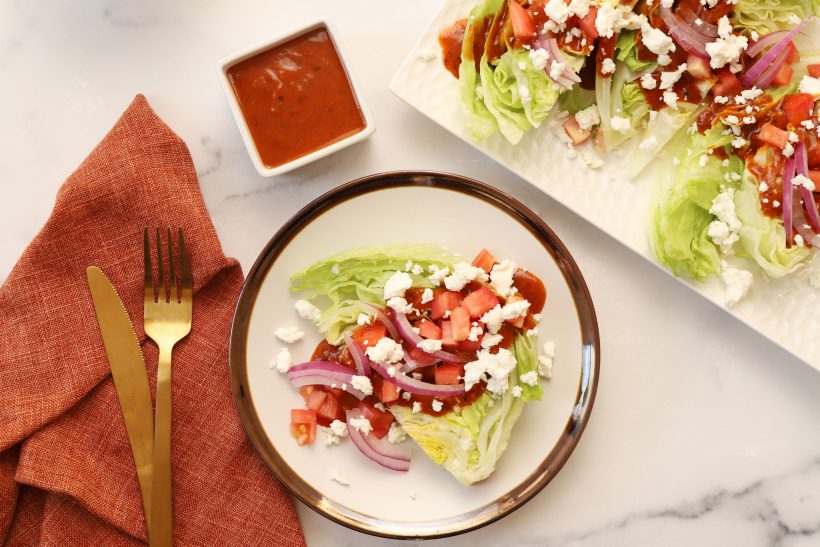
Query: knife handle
[(161, 504)]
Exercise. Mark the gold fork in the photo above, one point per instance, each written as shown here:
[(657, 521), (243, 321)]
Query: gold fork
[(167, 321)]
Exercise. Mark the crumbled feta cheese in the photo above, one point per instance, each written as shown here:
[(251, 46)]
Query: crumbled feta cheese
[(808, 124), (307, 310), (416, 407), (592, 161), (385, 351), (612, 18), (339, 428), (775, 204), (532, 332), (737, 283), (803, 180), (798, 240), (491, 340), (438, 274), (579, 7), (607, 66), (750, 94), (557, 70), (493, 319), (724, 230), (664, 59), (437, 405), (539, 58), (703, 160), (289, 335), (492, 368), (720, 99), (788, 150), (362, 383), (739, 142), (391, 371), (671, 99), (406, 395), (588, 117), (763, 187), (656, 41), (430, 345), (464, 273), (401, 305), (516, 391), (338, 477), (515, 309), (670, 78), (417, 269), (557, 10), (396, 434), (501, 278), (728, 47), (427, 56), (283, 362), (363, 319), (362, 425), (810, 85), (793, 19), (397, 285), (530, 378), (649, 143), (793, 137), (427, 296), (475, 332), (545, 360), (648, 82), (619, 124)]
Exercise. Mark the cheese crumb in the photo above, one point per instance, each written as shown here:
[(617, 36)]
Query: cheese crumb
[(396, 434), (608, 66), (397, 285), (363, 319), (530, 378), (588, 117), (464, 273), (728, 48), (427, 296), (385, 351), (724, 230), (283, 362), (737, 283), (546, 359), (516, 391), (430, 345), (416, 407), (362, 383), (437, 405), (338, 477), (289, 335), (648, 82), (308, 311), (810, 85), (501, 278), (619, 124), (492, 368), (362, 425)]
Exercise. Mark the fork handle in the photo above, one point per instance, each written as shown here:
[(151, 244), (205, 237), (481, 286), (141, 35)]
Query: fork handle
[(161, 502)]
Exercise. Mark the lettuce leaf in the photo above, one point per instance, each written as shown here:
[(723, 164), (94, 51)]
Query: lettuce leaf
[(351, 278), (576, 99), (682, 217), (762, 238), (627, 52), (502, 98), (469, 442), (766, 16), (542, 92)]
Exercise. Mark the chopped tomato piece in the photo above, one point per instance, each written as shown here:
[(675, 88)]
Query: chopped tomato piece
[(460, 323), (698, 67), (418, 355), (794, 54), (316, 399), (414, 296), (337, 391), (574, 131), (443, 302), (784, 75), (447, 335), (388, 391), (329, 410), (448, 374), (727, 84), (303, 425), (813, 151), (480, 302), (368, 335), (774, 136), (587, 24), (469, 346), (798, 107), (380, 420), (523, 26), (814, 70), (484, 260), (814, 175), (306, 391), (428, 329)]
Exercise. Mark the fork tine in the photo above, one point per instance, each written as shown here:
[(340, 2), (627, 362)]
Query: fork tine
[(149, 276), (162, 295), (187, 282), (172, 272)]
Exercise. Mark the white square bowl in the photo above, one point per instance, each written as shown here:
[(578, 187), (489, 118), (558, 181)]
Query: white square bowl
[(231, 60)]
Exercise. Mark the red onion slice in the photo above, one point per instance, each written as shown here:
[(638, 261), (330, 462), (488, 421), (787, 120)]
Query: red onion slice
[(567, 78), (753, 74), (765, 41), (705, 29), (359, 356), (406, 332), (802, 167), (418, 387), (771, 71), (316, 380), (382, 318), (380, 451), (788, 201), (690, 40)]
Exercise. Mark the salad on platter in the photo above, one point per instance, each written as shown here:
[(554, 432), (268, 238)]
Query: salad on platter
[(718, 86), (417, 343)]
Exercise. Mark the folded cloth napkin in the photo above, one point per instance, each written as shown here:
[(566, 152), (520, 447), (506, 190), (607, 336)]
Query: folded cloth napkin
[(67, 476)]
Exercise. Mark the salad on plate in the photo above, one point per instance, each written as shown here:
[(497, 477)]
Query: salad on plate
[(716, 87), (417, 343)]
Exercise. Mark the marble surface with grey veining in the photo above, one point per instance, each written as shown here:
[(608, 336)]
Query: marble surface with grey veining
[(702, 434)]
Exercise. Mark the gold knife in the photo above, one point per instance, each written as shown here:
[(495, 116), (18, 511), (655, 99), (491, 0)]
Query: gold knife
[(130, 377)]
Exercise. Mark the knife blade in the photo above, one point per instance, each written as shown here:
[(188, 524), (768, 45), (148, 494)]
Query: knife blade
[(130, 377)]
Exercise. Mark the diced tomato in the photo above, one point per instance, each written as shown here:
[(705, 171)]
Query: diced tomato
[(329, 410), (727, 84), (484, 260), (794, 54), (303, 425), (316, 399), (774, 136), (428, 329), (337, 391), (388, 391), (460, 323), (305, 391), (574, 131), (443, 302), (368, 335), (418, 355), (798, 107), (523, 26), (698, 67), (516, 322), (814, 175), (470, 346), (813, 151), (480, 302), (379, 419), (784, 75), (448, 374), (447, 335), (587, 24), (814, 70)]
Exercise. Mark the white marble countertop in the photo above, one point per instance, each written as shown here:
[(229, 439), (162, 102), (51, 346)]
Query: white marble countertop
[(703, 433)]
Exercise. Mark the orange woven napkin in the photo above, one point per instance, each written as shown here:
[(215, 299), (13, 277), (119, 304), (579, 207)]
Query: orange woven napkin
[(67, 476)]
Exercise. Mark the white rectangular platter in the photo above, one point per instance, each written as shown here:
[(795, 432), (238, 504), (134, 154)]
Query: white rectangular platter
[(784, 310)]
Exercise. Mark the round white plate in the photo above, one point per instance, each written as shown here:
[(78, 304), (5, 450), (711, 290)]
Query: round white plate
[(412, 207)]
